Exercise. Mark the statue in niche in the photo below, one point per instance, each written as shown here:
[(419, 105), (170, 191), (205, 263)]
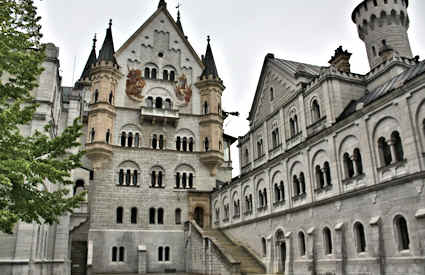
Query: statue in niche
[(183, 90), (135, 84)]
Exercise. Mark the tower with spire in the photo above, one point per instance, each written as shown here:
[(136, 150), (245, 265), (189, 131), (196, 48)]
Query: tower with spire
[(211, 124), (104, 75)]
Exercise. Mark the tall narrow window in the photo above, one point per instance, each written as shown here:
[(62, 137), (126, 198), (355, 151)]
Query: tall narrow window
[(108, 136), (264, 246), (96, 96), (360, 237), (358, 160), (265, 196), (348, 166), (121, 177), (133, 219), (149, 102), (168, 104), (301, 239), (160, 254), (153, 179), (282, 191), (297, 188), (206, 111), (190, 181), (260, 198), (111, 96), (161, 142), (165, 75), (398, 146), (178, 180), (158, 103), (172, 76), (206, 144), (384, 152), (92, 135), (327, 239), (137, 140), (402, 233), (191, 144), (130, 140), (153, 73), (123, 139), (184, 180), (114, 254), (178, 216), (178, 143), (320, 179), (152, 214), (292, 127), (271, 94), (276, 193), (327, 171), (160, 179), (184, 144), (147, 73), (128, 177), (160, 216), (297, 130), (119, 215), (167, 254), (154, 141), (302, 183), (122, 251), (135, 177), (315, 111)]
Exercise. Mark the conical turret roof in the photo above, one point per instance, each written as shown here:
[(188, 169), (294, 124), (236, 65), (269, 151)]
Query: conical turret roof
[(90, 61), (179, 23), (209, 63), (107, 52)]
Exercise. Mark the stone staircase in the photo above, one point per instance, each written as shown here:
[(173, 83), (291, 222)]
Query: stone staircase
[(249, 264)]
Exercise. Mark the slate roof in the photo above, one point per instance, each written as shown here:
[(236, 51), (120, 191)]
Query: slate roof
[(90, 61), (209, 63), (178, 22), (107, 52), (293, 66), (386, 88)]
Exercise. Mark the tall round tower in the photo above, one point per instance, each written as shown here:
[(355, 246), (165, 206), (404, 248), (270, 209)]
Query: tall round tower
[(383, 25)]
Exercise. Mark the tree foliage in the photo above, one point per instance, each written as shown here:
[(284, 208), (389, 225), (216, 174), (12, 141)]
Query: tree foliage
[(34, 170)]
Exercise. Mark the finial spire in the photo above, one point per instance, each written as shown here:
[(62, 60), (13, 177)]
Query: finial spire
[(209, 63), (94, 41), (178, 22), (107, 51), (110, 23), (208, 39), (162, 4)]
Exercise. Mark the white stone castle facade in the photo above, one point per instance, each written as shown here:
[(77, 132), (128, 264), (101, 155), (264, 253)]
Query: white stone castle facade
[(332, 169)]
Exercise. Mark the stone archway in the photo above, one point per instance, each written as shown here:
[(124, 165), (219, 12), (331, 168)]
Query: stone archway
[(198, 216), (281, 252)]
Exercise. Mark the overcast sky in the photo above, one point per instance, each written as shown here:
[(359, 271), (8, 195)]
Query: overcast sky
[(242, 31)]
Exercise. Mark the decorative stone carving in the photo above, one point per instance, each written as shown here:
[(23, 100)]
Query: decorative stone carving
[(135, 84)]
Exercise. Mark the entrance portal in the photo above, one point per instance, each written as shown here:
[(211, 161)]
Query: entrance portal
[(283, 255), (199, 216)]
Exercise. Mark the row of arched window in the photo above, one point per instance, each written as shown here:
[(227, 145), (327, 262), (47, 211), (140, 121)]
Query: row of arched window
[(130, 140), (390, 150), (323, 175), (184, 144), (159, 103), (360, 240), (156, 216), (166, 75), (236, 208), (262, 198), (184, 180), (158, 143), (128, 177), (248, 204), (279, 192)]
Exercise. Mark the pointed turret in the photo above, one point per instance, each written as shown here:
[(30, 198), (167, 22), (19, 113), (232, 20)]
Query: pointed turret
[(162, 4), (178, 22), (107, 52), (90, 61), (210, 69)]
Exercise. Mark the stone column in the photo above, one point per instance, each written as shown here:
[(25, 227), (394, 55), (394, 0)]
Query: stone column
[(355, 166), (310, 250), (393, 151), (325, 177), (142, 259), (339, 249), (270, 256), (375, 245), (289, 266)]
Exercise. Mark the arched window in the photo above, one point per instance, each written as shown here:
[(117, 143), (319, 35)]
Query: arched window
[(178, 180), (114, 254), (327, 170), (297, 188), (130, 140), (190, 181), (149, 102), (265, 196), (260, 199), (96, 96), (191, 144), (119, 215), (128, 177), (292, 127), (160, 254), (178, 143), (167, 254), (327, 239), (154, 141), (301, 243), (264, 246), (302, 183), (184, 180), (92, 135), (108, 136), (348, 166), (206, 144), (121, 177), (153, 179), (250, 202), (374, 51), (160, 179), (402, 233), (384, 152), (158, 103), (111, 96), (137, 140), (315, 111), (133, 219), (165, 75), (122, 253), (147, 73), (184, 144), (297, 130), (358, 160), (160, 216), (153, 75), (79, 187), (135, 177), (320, 178), (152, 213), (161, 142), (271, 94), (276, 193), (123, 139), (168, 104), (246, 156), (360, 237), (375, 3), (282, 191), (178, 216), (172, 76), (206, 111), (398, 146)]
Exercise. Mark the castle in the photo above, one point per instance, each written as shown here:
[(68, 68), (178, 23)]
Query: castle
[(332, 168)]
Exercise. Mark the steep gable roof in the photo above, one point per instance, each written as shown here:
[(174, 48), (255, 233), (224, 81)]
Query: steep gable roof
[(290, 67), (162, 8)]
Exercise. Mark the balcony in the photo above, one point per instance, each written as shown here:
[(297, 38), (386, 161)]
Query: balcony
[(164, 116), (275, 151), (317, 126), (294, 140)]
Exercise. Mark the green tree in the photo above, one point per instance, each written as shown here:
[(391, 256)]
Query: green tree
[(29, 163)]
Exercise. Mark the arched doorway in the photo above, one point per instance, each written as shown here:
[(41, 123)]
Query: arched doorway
[(199, 216), (283, 255), (281, 252)]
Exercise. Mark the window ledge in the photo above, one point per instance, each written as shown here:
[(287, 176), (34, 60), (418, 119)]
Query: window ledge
[(237, 216), (325, 188), (349, 181), (262, 208), (226, 219), (279, 203), (157, 187), (294, 137), (275, 148), (299, 197), (128, 186), (392, 165), (260, 158), (247, 213)]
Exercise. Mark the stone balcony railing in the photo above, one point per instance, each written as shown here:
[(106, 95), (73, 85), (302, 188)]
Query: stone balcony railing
[(317, 126), (165, 116), (294, 140)]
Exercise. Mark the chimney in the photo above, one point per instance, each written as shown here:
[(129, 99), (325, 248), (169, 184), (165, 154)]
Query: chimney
[(341, 60)]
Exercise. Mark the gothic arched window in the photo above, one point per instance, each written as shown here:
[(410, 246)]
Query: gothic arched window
[(301, 240), (402, 233), (327, 239), (130, 140), (315, 111), (264, 246), (398, 146), (360, 237), (358, 160), (108, 136), (384, 152)]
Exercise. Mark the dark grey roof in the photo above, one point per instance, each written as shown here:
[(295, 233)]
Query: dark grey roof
[(386, 88), (107, 52), (90, 61), (161, 4), (210, 68), (179, 23), (293, 67)]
